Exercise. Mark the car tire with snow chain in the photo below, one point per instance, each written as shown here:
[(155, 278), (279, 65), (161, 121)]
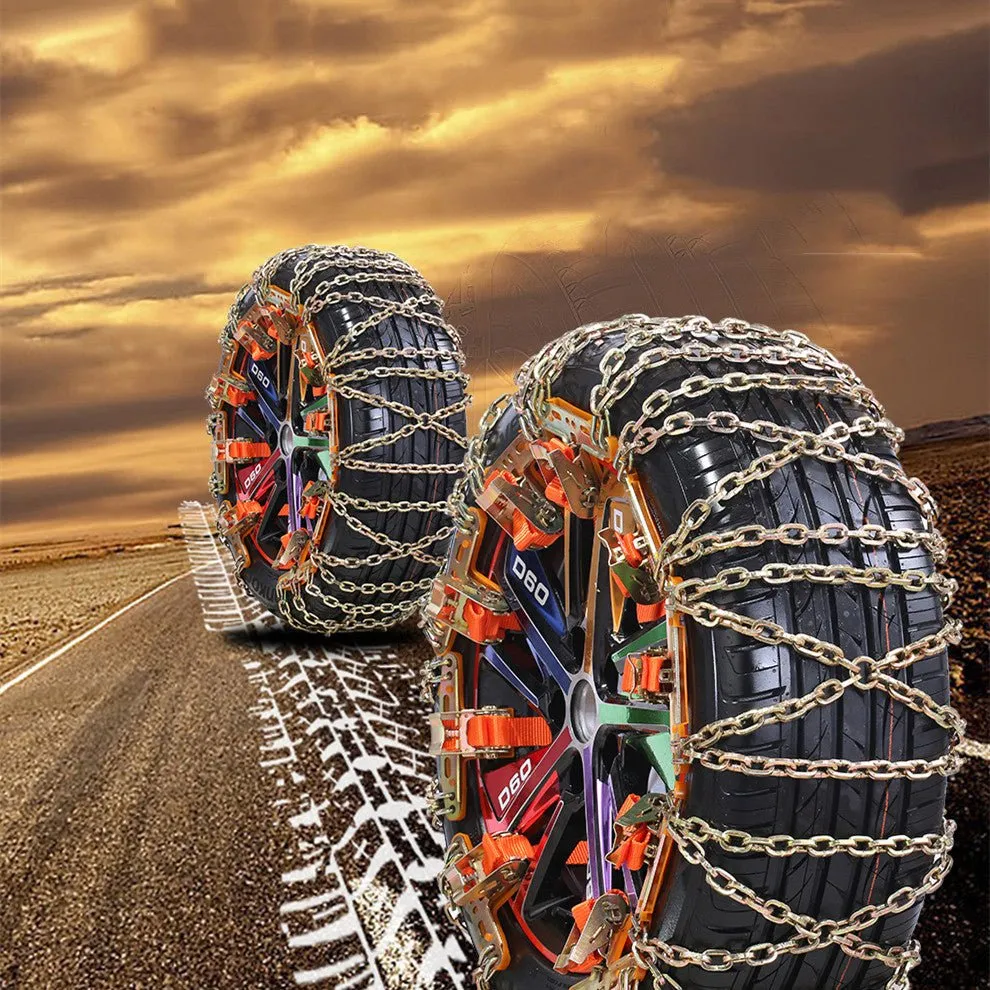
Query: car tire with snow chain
[(338, 424), (700, 664)]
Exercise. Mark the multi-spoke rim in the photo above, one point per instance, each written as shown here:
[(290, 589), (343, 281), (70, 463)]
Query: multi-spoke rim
[(606, 745), (278, 415)]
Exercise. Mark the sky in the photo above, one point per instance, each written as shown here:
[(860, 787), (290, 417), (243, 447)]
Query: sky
[(817, 164)]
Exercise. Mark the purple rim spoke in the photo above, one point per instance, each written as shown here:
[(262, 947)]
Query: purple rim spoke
[(597, 798), (293, 493), (630, 887)]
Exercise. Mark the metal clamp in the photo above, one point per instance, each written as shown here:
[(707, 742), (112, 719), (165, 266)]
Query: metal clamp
[(216, 426), (252, 335), (579, 486), (623, 974), (457, 584), (504, 495), (232, 525), (633, 575), (651, 685), (293, 550), (607, 919), (475, 897), (442, 733)]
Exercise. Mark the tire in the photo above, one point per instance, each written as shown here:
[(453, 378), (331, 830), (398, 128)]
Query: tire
[(383, 460), (727, 673)]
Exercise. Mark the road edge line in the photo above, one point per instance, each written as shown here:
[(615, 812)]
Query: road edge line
[(65, 647)]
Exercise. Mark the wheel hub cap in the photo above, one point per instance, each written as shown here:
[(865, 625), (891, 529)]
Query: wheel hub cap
[(584, 712), (286, 439)]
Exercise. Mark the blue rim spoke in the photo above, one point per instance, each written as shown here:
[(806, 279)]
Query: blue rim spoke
[(498, 664), (545, 655)]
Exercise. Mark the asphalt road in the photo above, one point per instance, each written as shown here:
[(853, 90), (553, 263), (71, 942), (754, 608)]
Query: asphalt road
[(136, 833)]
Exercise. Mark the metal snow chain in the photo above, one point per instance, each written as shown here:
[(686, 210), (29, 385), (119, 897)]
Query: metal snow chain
[(819, 846), (826, 446), (651, 952), (699, 386), (452, 911), (736, 578), (383, 505), (486, 970), (812, 934), (606, 394), (472, 479), (797, 534), (385, 587), (439, 804), (696, 339), (802, 769), (391, 353), (363, 267), (393, 549), (375, 468)]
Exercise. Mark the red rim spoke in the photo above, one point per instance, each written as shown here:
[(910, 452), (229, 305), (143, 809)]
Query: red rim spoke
[(543, 763), (255, 479)]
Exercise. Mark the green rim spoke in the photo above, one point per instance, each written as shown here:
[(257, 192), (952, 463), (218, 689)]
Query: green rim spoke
[(318, 405), (656, 748), (311, 443), (653, 740), (613, 714)]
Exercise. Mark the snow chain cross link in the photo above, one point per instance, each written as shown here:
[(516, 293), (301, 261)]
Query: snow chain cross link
[(351, 372), (646, 346)]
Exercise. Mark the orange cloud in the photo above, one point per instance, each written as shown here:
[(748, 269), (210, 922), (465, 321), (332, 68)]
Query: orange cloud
[(156, 153)]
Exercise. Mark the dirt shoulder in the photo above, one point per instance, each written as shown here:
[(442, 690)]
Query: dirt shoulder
[(48, 598)]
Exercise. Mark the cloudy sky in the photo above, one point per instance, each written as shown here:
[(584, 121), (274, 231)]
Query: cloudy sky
[(820, 164)]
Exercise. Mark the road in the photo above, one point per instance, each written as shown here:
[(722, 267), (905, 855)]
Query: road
[(137, 835), (230, 804), (192, 808)]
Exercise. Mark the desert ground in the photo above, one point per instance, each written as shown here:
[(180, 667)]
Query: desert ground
[(50, 593)]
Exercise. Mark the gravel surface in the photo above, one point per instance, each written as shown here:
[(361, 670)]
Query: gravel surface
[(955, 922), (45, 602)]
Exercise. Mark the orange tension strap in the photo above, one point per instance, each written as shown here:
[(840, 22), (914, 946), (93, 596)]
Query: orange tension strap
[(648, 679), (246, 508), (497, 850), (631, 851), (485, 625), (234, 450), (525, 535), (650, 613), (580, 855), (627, 542), (316, 422), (499, 732)]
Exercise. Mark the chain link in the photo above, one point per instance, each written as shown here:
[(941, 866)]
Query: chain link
[(637, 347)]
